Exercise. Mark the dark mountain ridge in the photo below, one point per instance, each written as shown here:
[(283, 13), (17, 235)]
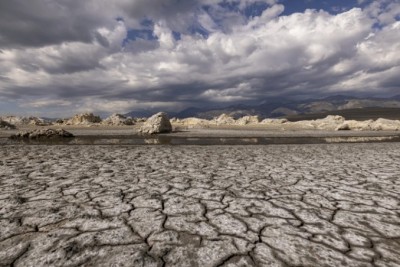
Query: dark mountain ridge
[(280, 107)]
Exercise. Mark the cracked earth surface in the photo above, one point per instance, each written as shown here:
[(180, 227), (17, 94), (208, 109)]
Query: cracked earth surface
[(285, 205)]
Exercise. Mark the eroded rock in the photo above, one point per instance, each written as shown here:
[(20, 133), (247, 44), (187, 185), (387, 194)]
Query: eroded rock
[(158, 123), (118, 120), (83, 119), (224, 119), (192, 122), (248, 120), (343, 127), (274, 121), (43, 134), (17, 120), (7, 126), (370, 125), (387, 125)]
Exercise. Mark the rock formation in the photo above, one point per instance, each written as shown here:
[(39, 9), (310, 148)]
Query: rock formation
[(331, 122), (356, 125), (192, 122), (118, 120), (17, 120), (224, 119), (370, 125), (158, 123), (83, 119), (274, 121), (42, 134), (343, 127), (140, 119), (248, 120), (6, 125), (387, 125)]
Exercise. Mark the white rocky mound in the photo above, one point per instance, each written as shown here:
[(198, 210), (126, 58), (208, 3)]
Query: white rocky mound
[(16, 120), (248, 120), (158, 123), (81, 119), (331, 122), (274, 121), (42, 134), (118, 120), (223, 119), (192, 122), (370, 125)]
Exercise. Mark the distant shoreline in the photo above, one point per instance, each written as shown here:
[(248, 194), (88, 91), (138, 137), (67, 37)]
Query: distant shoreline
[(220, 135)]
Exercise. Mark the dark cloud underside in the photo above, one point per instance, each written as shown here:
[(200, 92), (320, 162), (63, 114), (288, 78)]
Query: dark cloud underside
[(113, 56)]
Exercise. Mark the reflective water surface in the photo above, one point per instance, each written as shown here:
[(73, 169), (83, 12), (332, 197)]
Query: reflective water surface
[(170, 140)]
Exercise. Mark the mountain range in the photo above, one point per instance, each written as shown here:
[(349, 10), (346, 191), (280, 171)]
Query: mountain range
[(293, 109)]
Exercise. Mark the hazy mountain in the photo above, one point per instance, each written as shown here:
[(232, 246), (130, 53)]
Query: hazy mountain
[(279, 107), (359, 114), (146, 113), (190, 112)]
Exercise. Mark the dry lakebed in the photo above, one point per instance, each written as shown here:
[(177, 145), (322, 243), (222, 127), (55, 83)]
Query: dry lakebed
[(200, 205)]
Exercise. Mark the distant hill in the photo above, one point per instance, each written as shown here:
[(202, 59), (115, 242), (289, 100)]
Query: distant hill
[(359, 114), (280, 107), (146, 113)]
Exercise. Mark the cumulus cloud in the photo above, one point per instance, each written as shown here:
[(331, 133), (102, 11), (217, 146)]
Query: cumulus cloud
[(385, 11), (59, 54)]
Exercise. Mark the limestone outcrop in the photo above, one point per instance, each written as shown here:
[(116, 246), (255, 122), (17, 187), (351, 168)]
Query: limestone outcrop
[(158, 123), (339, 123), (224, 119), (81, 119), (17, 120), (331, 122), (43, 134), (370, 125), (248, 120), (191, 122), (387, 125), (118, 120), (5, 125), (273, 121)]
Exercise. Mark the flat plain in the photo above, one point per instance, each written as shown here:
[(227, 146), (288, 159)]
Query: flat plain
[(263, 205)]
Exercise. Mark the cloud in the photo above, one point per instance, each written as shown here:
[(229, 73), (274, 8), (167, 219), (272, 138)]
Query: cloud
[(38, 23), (384, 11), (79, 53), (45, 103)]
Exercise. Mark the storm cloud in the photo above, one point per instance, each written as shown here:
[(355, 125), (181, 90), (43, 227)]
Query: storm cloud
[(115, 56)]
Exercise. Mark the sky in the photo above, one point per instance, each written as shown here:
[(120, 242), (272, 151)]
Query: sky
[(61, 57)]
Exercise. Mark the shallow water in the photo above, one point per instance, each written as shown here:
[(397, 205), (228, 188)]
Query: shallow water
[(170, 140)]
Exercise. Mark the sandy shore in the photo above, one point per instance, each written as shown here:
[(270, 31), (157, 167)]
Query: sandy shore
[(278, 205)]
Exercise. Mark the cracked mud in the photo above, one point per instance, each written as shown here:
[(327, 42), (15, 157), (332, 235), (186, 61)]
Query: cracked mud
[(286, 205)]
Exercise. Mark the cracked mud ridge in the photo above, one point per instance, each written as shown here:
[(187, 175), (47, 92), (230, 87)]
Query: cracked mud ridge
[(286, 205)]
